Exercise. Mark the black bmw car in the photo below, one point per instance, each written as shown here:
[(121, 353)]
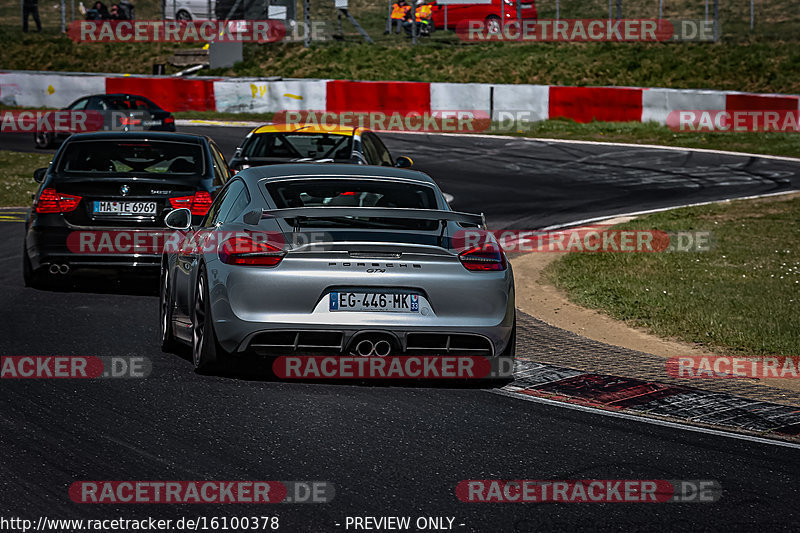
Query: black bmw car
[(120, 112), (103, 199)]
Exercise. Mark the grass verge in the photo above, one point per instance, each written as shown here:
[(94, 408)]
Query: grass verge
[(16, 176), (741, 298)]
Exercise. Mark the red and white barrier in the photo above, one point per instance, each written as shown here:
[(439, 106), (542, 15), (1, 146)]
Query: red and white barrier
[(253, 95)]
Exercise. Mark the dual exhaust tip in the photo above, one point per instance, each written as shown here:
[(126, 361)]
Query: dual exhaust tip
[(59, 269), (372, 346)]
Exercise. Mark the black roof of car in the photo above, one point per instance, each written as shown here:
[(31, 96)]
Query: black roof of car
[(138, 136)]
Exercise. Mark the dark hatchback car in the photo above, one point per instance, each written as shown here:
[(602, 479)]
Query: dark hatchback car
[(288, 143), (121, 112), (103, 199)]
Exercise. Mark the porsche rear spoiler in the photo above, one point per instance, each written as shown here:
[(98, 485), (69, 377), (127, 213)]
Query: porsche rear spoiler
[(304, 213)]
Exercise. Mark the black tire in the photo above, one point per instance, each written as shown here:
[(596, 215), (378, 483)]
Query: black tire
[(43, 140), (32, 277), (493, 24), (183, 16), (169, 343), (207, 354), (511, 348), (509, 354)]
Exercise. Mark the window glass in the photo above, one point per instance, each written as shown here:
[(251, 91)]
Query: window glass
[(134, 156), (384, 157), (80, 104), (221, 172), (344, 192), (370, 153), (238, 205), (97, 104), (298, 145), (231, 195)]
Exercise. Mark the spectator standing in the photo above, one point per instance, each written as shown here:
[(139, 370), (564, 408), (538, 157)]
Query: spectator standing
[(399, 10), (31, 7)]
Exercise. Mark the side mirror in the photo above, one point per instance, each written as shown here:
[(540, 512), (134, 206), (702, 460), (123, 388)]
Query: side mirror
[(179, 219), (403, 162), (237, 152), (39, 174)]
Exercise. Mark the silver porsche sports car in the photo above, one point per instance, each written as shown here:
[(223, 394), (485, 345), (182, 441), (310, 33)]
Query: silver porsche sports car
[(336, 260)]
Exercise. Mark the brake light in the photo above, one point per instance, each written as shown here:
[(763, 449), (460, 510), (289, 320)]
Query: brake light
[(129, 121), (169, 120), (198, 204), (246, 251), (483, 258), (51, 201)]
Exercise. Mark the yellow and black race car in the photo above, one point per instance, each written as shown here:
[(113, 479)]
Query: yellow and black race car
[(292, 143)]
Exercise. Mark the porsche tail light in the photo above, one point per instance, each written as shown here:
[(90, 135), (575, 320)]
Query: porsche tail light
[(246, 251), (51, 201), (485, 257), (198, 204)]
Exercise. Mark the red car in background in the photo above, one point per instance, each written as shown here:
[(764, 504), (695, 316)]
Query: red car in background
[(491, 13)]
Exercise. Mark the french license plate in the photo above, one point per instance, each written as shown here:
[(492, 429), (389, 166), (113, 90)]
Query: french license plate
[(374, 301), (124, 208)]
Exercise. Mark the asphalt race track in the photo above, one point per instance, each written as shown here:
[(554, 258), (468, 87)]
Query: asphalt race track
[(388, 450), (523, 184)]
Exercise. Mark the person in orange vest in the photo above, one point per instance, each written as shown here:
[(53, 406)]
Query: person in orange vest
[(399, 10), (423, 18)]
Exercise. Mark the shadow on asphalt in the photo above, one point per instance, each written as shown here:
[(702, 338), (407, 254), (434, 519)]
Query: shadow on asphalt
[(123, 283)]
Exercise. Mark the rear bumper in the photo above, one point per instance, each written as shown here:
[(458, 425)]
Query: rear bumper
[(48, 246), (419, 341)]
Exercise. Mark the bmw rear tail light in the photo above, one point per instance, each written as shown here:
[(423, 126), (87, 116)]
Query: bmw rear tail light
[(51, 201), (248, 252), (198, 204), (169, 120), (484, 257)]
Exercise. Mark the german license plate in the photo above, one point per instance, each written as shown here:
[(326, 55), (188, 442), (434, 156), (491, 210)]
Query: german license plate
[(124, 208), (374, 301)]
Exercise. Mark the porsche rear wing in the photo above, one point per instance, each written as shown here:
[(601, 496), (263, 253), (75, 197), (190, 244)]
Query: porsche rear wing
[(305, 213)]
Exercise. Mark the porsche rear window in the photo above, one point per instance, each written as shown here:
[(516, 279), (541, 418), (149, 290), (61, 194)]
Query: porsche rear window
[(131, 156), (344, 192)]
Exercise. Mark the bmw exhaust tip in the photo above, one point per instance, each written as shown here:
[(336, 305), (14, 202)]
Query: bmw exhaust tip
[(58, 269)]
